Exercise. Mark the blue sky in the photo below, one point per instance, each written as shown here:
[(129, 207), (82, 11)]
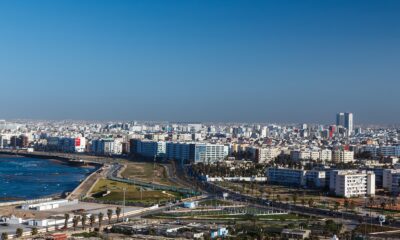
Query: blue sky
[(258, 61)]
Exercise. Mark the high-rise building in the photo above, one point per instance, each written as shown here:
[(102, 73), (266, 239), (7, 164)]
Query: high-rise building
[(348, 122), (345, 120), (340, 119)]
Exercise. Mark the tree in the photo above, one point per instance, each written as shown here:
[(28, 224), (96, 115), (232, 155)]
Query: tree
[(118, 212), (332, 227), (75, 222), (34, 231), (83, 220), (352, 205), (101, 216), (346, 204), (278, 198), (383, 205), (294, 198), (109, 215), (371, 202), (19, 232), (66, 218), (310, 202), (303, 202), (92, 220), (337, 205), (4, 236)]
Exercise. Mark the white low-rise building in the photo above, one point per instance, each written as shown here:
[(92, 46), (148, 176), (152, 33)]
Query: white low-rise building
[(49, 205), (47, 222)]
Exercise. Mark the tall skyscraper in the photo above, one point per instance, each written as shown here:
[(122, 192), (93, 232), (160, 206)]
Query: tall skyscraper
[(348, 122), (340, 119), (345, 120)]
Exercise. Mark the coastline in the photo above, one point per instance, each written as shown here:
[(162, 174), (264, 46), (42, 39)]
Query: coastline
[(60, 160)]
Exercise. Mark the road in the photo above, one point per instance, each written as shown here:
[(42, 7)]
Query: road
[(324, 213)]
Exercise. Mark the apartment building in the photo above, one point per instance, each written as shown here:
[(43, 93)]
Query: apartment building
[(265, 155), (352, 183), (286, 176), (342, 156)]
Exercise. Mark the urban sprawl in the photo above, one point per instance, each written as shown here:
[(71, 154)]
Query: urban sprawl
[(160, 180)]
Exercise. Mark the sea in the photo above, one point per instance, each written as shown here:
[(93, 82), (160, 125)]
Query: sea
[(23, 178)]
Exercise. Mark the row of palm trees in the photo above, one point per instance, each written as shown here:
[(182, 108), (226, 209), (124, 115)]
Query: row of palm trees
[(92, 219), (18, 233), (75, 222)]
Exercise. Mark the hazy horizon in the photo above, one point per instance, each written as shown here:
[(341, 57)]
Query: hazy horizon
[(200, 61)]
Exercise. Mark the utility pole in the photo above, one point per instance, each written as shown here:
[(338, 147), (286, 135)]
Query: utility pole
[(123, 208), (154, 169)]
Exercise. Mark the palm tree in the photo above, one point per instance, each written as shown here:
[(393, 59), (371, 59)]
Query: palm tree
[(83, 220), (118, 212), (34, 231), (66, 217), (92, 220), (101, 216), (393, 202), (19, 232), (346, 204), (383, 205), (352, 205), (303, 202), (4, 236), (337, 205), (109, 215), (75, 221), (310, 202), (294, 198), (371, 202)]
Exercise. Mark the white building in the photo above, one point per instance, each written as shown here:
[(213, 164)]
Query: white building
[(49, 205), (265, 155), (352, 183), (205, 152), (326, 155), (48, 222), (106, 146), (348, 123)]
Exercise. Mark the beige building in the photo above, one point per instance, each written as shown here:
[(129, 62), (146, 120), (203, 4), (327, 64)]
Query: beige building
[(342, 156)]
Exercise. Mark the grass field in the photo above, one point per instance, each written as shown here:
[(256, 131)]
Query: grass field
[(147, 172), (133, 193)]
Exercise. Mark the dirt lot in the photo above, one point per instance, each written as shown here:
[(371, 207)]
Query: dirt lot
[(147, 172)]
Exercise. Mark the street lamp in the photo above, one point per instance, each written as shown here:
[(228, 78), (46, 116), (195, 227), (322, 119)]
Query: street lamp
[(123, 207)]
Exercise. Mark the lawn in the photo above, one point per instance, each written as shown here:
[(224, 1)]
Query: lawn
[(134, 194)]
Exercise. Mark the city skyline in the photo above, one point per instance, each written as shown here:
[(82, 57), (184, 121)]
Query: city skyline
[(204, 61)]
